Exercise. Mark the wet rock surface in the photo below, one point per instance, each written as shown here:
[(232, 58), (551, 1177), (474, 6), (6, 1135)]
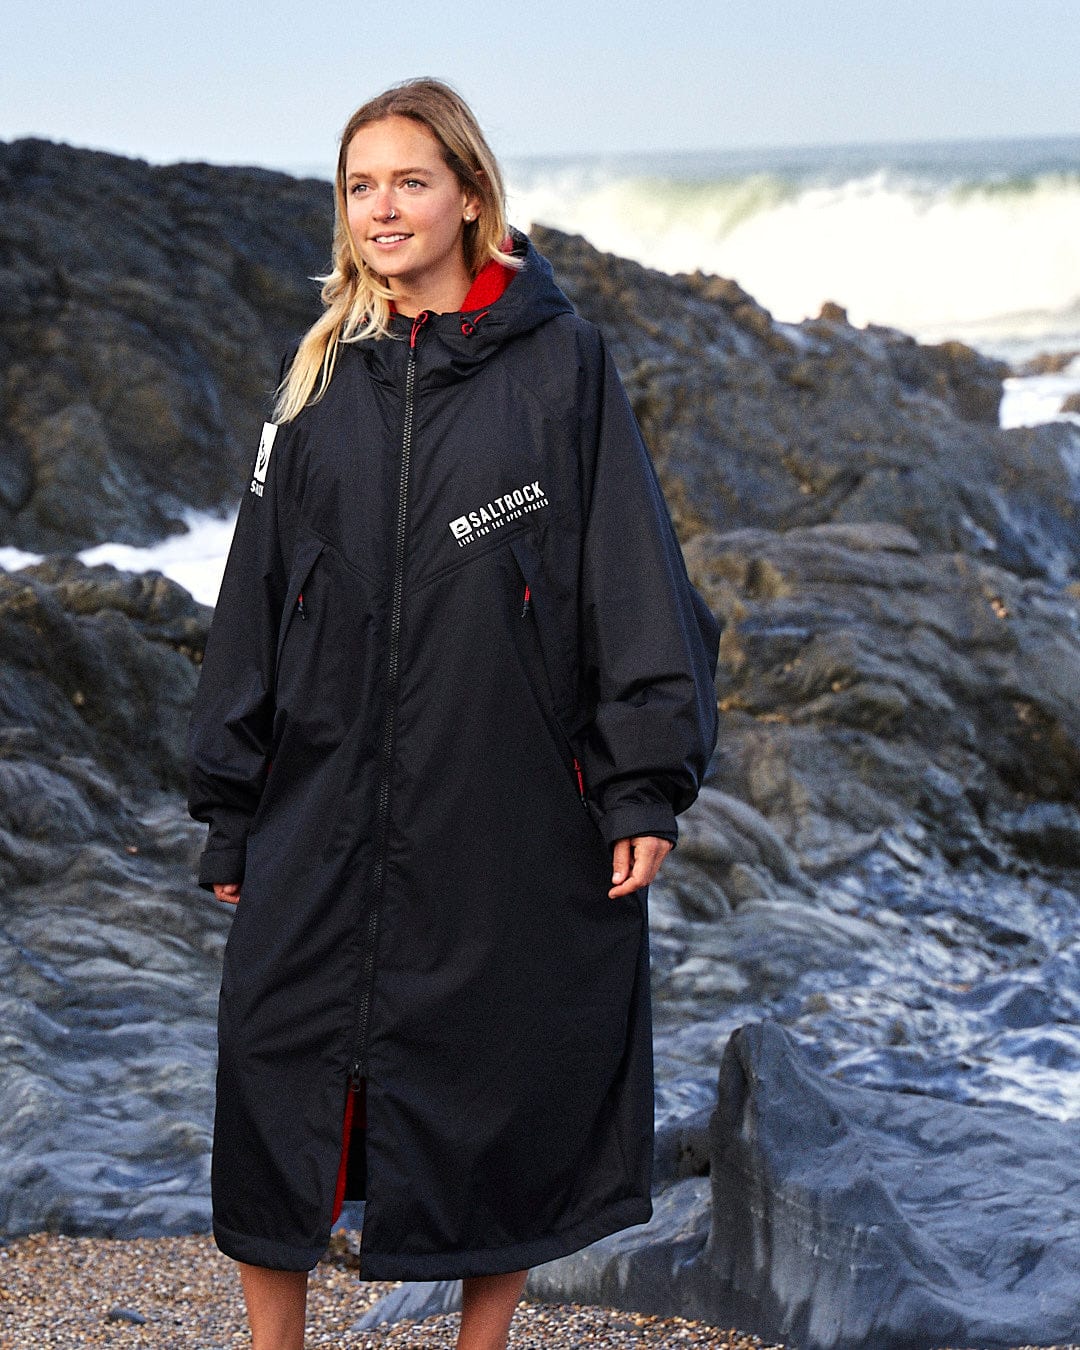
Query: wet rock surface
[(837, 1218), (109, 957), (885, 860)]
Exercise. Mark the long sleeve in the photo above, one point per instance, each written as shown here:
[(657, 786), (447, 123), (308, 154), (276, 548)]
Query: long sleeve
[(650, 641), (231, 723)]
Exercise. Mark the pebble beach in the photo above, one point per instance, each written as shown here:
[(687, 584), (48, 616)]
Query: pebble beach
[(181, 1293)]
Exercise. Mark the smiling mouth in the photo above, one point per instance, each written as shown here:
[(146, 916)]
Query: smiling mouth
[(391, 238)]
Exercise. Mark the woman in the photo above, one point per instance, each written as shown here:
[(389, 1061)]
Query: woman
[(456, 690)]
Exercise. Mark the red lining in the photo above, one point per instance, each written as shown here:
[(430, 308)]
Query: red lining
[(355, 1118), (491, 281)]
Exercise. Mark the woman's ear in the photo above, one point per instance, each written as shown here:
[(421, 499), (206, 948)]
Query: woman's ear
[(473, 202), (471, 209)]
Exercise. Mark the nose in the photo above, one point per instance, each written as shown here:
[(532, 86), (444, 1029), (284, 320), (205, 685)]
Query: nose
[(384, 206)]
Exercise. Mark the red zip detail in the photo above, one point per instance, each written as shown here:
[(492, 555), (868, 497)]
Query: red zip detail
[(525, 606), (417, 324), (580, 779)]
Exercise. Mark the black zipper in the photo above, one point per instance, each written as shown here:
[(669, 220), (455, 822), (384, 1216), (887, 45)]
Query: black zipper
[(358, 1068)]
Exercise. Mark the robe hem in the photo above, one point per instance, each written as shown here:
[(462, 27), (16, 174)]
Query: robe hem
[(375, 1265), (268, 1252)]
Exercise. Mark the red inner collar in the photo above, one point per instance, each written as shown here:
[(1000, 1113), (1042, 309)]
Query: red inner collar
[(491, 281)]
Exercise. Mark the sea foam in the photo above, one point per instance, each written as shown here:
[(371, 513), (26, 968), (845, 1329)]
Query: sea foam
[(978, 241)]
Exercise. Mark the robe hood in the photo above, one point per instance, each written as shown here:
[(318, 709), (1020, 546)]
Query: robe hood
[(457, 344)]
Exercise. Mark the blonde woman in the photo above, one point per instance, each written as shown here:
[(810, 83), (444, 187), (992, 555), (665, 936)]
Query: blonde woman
[(456, 690)]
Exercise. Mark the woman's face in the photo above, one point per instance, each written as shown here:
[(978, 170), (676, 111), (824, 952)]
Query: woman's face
[(407, 213)]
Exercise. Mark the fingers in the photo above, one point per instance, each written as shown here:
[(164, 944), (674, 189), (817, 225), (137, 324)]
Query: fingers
[(646, 852), (229, 892), (620, 860)]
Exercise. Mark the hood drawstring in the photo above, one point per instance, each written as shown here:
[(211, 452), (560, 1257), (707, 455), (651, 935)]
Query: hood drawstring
[(468, 326)]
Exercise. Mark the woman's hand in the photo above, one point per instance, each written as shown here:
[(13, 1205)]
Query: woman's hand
[(636, 861), (230, 892)]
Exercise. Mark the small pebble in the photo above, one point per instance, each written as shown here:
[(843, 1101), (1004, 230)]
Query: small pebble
[(125, 1315)]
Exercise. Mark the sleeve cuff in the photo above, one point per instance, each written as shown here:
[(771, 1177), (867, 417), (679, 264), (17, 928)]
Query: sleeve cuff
[(625, 822), (220, 867)]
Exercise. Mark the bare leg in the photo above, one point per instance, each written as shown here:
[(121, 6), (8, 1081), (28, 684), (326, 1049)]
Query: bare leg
[(276, 1303), (487, 1307)]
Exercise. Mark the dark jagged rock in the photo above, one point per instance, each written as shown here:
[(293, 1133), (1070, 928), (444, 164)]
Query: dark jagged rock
[(753, 422), (838, 1218), (851, 656), (1047, 363), (143, 312), (99, 664)]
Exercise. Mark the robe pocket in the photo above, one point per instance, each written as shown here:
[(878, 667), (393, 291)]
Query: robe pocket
[(556, 646), (536, 606), (307, 555)]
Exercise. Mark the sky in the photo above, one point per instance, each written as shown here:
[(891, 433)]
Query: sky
[(273, 83)]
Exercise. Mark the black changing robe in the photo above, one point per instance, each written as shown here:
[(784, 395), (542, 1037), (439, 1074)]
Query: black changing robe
[(455, 656)]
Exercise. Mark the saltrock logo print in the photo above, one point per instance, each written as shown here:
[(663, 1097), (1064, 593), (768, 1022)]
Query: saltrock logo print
[(495, 514), (262, 459)]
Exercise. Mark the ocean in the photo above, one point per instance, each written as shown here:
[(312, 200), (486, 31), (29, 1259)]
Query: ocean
[(976, 240)]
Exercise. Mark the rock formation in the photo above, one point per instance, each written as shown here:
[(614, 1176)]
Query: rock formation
[(143, 315), (109, 956), (837, 1218)]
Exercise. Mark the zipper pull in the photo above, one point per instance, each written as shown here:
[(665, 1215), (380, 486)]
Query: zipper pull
[(300, 606), (356, 1077), (525, 606), (417, 324), (580, 783)]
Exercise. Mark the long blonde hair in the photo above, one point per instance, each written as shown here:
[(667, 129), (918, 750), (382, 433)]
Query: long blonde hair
[(356, 299)]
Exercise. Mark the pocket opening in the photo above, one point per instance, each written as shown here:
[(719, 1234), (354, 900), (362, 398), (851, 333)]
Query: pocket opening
[(307, 556)]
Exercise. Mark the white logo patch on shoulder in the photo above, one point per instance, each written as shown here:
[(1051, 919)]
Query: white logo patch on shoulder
[(262, 459)]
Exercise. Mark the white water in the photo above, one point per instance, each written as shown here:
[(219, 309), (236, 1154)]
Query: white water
[(1031, 399), (978, 241), (985, 266), (195, 559)]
